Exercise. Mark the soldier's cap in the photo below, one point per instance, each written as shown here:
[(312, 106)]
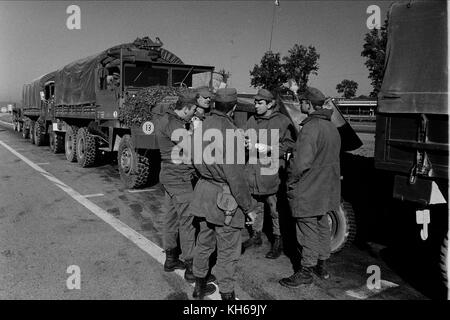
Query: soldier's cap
[(226, 95), (204, 92), (188, 97), (314, 95), (264, 94)]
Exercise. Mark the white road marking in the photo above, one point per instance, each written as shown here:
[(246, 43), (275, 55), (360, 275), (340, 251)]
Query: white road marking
[(93, 195), (7, 123), (142, 190), (42, 163), (138, 239), (363, 292)]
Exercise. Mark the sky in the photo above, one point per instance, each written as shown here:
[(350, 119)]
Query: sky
[(234, 35)]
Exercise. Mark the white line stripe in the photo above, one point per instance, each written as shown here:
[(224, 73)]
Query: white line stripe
[(42, 163), (7, 123), (364, 292), (93, 195), (142, 190), (142, 242)]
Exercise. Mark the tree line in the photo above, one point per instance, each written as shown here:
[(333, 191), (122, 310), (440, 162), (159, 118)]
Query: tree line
[(301, 62)]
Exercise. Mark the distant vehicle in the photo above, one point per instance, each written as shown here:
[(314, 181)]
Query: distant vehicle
[(76, 109)]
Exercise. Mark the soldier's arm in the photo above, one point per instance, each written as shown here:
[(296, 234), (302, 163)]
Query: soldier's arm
[(236, 179), (305, 152), (287, 140)]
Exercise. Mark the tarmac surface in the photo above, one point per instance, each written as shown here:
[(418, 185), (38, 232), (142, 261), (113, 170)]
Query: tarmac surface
[(55, 214)]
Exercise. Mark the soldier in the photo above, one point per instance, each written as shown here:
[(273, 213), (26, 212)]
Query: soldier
[(203, 102), (314, 187), (176, 179), (221, 203), (264, 187)]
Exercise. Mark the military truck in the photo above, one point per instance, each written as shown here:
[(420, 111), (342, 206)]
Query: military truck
[(412, 119), (80, 109)]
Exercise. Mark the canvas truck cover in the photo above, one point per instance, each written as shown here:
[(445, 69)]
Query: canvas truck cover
[(31, 93), (416, 66), (75, 83)]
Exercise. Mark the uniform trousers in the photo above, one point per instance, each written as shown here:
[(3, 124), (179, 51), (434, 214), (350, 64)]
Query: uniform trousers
[(178, 223), (228, 242), (313, 236)]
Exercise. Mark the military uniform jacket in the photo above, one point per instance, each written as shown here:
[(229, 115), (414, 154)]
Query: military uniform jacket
[(314, 186), (268, 184), (214, 176), (175, 178)]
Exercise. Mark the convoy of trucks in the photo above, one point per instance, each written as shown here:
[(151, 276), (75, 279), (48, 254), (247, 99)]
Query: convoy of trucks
[(77, 110)]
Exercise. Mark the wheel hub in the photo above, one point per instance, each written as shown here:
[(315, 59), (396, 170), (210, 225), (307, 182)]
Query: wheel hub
[(126, 159)]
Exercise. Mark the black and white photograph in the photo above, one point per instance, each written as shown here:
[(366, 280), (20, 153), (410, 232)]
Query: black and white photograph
[(193, 151)]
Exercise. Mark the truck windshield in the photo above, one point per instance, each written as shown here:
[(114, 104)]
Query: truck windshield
[(147, 75)]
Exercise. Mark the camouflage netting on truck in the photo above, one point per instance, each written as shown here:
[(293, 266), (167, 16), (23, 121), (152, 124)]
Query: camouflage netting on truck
[(143, 104)]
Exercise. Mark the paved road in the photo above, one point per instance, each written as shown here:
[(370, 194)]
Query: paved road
[(54, 214)]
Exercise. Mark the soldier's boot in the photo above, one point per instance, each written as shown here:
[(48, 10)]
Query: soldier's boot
[(189, 274), (202, 288), (172, 262), (277, 248), (228, 296), (320, 270), (255, 240), (301, 277)]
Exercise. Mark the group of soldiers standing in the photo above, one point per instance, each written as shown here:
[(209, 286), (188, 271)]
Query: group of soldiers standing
[(208, 204)]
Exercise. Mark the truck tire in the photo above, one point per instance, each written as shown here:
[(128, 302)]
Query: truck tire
[(56, 141), (87, 148), (133, 167), (342, 226), (71, 143), (25, 131), (31, 133), (39, 134), (444, 259)]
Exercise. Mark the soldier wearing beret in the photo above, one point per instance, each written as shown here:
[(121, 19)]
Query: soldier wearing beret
[(314, 186), (175, 178), (264, 187), (221, 203)]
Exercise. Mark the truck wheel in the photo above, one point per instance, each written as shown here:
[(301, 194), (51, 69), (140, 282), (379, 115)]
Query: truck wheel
[(71, 143), (133, 167), (87, 147), (25, 132), (39, 133), (31, 133), (342, 226), (56, 141)]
